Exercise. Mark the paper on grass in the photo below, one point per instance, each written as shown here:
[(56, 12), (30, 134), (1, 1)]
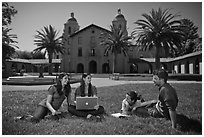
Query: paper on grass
[(119, 115)]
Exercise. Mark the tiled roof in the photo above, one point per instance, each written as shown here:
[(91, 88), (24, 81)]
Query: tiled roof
[(188, 55), (43, 61), (153, 59), (18, 60), (35, 61), (167, 59)]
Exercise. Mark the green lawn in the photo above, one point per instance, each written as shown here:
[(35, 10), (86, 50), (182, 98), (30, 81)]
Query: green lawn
[(24, 102)]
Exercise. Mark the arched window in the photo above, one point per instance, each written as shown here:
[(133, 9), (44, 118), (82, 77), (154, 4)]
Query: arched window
[(93, 52), (69, 30)]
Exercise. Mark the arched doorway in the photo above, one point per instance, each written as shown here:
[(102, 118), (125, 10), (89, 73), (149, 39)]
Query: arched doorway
[(133, 68), (80, 68), (105, 68), (92, 67)]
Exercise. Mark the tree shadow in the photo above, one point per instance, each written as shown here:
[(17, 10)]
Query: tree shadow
[(186, 124)]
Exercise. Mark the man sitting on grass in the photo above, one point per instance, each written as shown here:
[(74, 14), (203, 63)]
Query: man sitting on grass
[(167, 101)]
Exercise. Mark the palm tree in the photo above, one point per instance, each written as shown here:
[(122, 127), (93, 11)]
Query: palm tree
[(116, 42), (47, 40), (159, 30)]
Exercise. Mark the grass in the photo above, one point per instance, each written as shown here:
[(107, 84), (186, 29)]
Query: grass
[(17, 103)]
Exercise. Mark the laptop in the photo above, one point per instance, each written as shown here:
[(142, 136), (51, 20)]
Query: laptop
[(86, 103)]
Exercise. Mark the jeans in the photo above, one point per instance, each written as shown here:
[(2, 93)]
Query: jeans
[(84, 113)]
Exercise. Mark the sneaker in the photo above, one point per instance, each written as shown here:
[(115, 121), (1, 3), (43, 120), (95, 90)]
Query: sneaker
[(89, 116), (98, 119), (18, 118)]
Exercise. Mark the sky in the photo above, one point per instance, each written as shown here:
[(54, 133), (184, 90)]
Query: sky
[(33, 16)]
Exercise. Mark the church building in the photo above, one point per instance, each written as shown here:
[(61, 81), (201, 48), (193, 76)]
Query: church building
[(83, 50), (83, 53)]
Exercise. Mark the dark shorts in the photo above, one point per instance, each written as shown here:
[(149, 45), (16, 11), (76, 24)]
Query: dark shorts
[(155, 113), (84, 113)]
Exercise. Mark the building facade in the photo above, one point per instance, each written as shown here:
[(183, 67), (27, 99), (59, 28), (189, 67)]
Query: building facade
[(83, 50), (85, 54)]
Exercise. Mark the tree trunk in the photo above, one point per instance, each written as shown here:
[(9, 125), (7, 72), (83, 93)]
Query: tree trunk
[(114, 62), (50, 63), (157, 58)]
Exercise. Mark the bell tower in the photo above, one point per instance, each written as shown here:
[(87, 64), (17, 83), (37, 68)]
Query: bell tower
[(120, 21), (71, 26)]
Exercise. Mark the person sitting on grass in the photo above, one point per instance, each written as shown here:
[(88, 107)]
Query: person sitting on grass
[(86, 89), (167, 101), (57, 93), (135, 104)]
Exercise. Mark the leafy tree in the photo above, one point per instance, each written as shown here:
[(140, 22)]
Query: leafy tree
[(190, 36), (28, 55), (48, 41), (159, 30), (198, 45), (23, 54), (116, 42), (38, 55), (7, 13), (8, 40)]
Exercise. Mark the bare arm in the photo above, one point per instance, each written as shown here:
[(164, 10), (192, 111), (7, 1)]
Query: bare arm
[(49, 106), (69, 99), (147, 103), (173, 118)]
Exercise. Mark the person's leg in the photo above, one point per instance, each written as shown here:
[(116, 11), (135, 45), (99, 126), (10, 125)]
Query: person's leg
[(39, 114), (72, 110), (97, 112), (155, 113), (142, 111)]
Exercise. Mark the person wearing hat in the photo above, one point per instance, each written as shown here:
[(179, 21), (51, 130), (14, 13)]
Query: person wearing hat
[(167, 100), (57, 93)]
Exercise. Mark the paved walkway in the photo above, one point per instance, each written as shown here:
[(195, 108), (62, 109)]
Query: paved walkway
[(98, 82)]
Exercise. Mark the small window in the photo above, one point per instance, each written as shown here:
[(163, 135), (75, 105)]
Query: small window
[(93, 31), (69, 30), (93, 52), (79, 40), (57, 56), (79, 52)]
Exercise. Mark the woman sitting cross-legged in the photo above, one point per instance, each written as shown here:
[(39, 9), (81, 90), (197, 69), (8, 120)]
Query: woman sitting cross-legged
[(86, 89), (57, 93)]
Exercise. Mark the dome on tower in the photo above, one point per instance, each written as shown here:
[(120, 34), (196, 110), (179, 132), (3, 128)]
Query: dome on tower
[(72, 18), (119, 15)]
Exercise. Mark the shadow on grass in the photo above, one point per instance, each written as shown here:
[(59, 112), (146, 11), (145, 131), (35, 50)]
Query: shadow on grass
[(187, 124)]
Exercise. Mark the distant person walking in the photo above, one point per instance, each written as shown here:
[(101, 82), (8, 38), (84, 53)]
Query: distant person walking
[(57, 93)]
